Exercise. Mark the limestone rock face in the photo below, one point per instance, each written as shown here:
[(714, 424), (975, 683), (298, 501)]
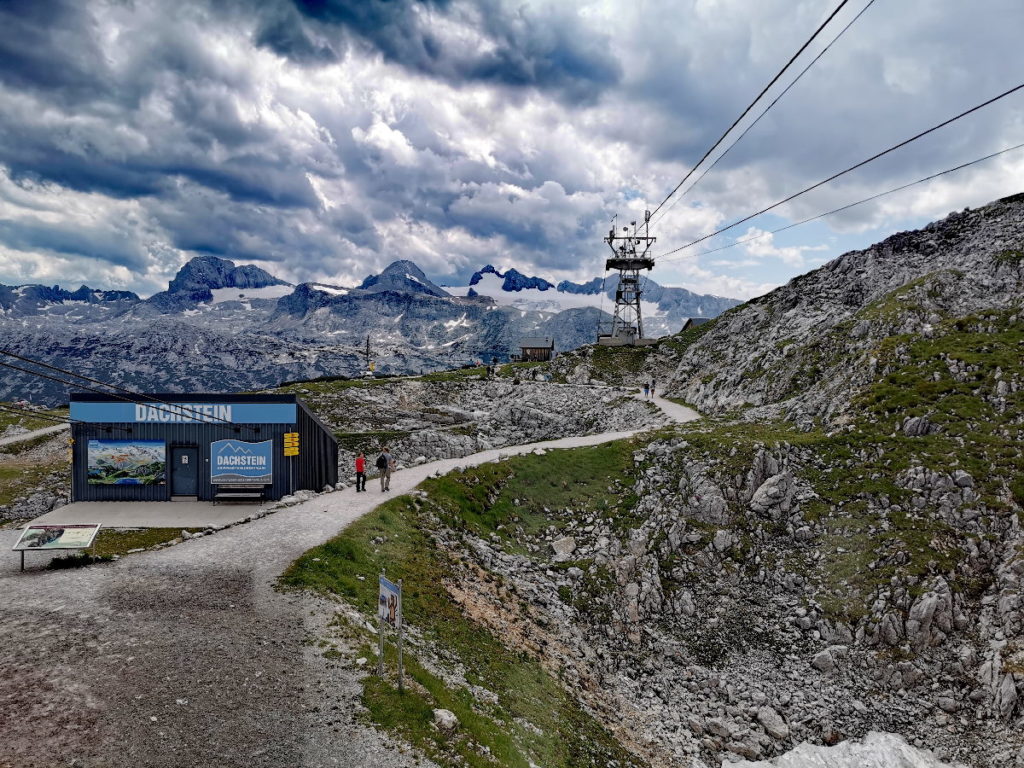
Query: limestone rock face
[(757, 354), (774, 497), (931, 617)]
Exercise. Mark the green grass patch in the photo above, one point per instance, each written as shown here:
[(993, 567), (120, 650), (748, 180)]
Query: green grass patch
[(115, 541), (1009, 256), (516, 499), (18, 477), (7, 418), (395, 536)]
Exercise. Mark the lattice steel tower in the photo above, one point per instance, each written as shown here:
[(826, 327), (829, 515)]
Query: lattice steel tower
[(630, 252)]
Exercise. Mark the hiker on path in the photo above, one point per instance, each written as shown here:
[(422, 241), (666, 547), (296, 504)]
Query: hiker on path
[(647, 390), (385, 463), (652, 389), (360, 472)]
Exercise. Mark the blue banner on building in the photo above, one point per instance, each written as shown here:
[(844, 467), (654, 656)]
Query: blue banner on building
[(234, 461), (184, 413)]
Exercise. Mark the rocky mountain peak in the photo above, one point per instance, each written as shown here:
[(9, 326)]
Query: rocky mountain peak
[(513, 280), (517, 281), (591, 288), (479, 274), (402, 275), (206, 273)]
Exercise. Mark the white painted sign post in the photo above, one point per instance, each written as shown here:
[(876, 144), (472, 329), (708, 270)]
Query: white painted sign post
[(389, 613)]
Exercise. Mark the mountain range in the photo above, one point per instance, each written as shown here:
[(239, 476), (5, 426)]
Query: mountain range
[(221, 327), (665, 309)]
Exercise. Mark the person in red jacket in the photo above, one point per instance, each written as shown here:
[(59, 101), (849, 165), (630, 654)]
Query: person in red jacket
[(360, 473)]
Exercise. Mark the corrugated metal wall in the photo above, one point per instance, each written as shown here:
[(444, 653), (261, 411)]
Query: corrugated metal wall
[(315, 467), (318, 453)]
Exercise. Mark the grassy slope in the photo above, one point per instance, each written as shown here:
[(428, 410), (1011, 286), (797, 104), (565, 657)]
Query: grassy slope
[(8, 418), (859, 550), (533, 719), (978, 434), (18, 478)]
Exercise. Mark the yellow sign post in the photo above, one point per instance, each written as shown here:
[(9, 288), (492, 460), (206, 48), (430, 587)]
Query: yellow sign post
[(291, 443)]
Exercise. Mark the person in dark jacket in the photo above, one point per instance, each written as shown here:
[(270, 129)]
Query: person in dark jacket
[(385, 463)]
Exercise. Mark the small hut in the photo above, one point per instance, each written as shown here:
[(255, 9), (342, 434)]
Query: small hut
[(540, 349)]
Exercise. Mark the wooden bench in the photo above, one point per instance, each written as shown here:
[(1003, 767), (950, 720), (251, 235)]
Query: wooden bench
[(246, 493)]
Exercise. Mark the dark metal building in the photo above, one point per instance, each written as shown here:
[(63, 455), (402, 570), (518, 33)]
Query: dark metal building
[(197, 445)]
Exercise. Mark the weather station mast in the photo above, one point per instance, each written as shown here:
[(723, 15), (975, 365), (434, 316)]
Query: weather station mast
[(630, 254)]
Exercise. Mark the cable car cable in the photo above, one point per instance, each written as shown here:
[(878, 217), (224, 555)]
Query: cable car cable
[(141, 398), (751, 105), (775, 101), (835, 176), (860, 202)]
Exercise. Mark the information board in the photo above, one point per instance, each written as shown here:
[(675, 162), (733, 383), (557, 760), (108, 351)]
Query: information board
[(240, 463), (57, 537)]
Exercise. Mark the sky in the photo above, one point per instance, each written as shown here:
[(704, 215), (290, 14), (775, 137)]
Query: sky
[(322, 140)]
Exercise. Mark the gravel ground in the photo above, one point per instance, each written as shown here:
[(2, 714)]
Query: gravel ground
[(188, 655)]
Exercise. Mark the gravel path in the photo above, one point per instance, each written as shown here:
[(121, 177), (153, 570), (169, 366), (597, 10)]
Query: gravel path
[(188, 656), (34, 433)]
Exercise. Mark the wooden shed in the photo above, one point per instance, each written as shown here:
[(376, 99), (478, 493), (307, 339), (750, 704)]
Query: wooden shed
[(538, 349)]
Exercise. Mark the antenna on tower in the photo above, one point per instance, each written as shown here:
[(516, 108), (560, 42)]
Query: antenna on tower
[(630, 251)]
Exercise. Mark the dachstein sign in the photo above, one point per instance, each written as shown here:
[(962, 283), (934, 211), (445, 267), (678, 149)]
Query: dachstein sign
[(233, 461), (184, 413)]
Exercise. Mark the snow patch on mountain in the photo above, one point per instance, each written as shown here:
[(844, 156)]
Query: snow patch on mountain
[(221, 295), (330, 290), (876, 750)]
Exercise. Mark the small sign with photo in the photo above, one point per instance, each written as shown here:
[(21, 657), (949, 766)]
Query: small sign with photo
[(389, 603), (57, 537)]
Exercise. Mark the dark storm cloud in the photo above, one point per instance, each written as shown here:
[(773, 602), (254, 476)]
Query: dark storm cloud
[(283, 32), (31, 234), (50, 46), (321, 135), (522, 49), (169, 111)]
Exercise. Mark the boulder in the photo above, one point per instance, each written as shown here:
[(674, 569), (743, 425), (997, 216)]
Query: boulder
[(564, 547), (1005, 698), (916, 426), (445, 719), (722, 540), (772, 723), (774, 496), (930, 617), (823, 662)]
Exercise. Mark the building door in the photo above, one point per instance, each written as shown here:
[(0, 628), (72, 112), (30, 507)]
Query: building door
[(184, 471)]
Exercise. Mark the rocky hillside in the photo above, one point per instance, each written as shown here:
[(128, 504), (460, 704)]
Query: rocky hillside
[(450, 415), (807, 347), (835, 549)]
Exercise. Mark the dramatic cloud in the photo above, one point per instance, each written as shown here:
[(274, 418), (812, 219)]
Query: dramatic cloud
[(322, 139)]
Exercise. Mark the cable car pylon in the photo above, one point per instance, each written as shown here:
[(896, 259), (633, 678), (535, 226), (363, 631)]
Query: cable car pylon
[(630, 251)]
